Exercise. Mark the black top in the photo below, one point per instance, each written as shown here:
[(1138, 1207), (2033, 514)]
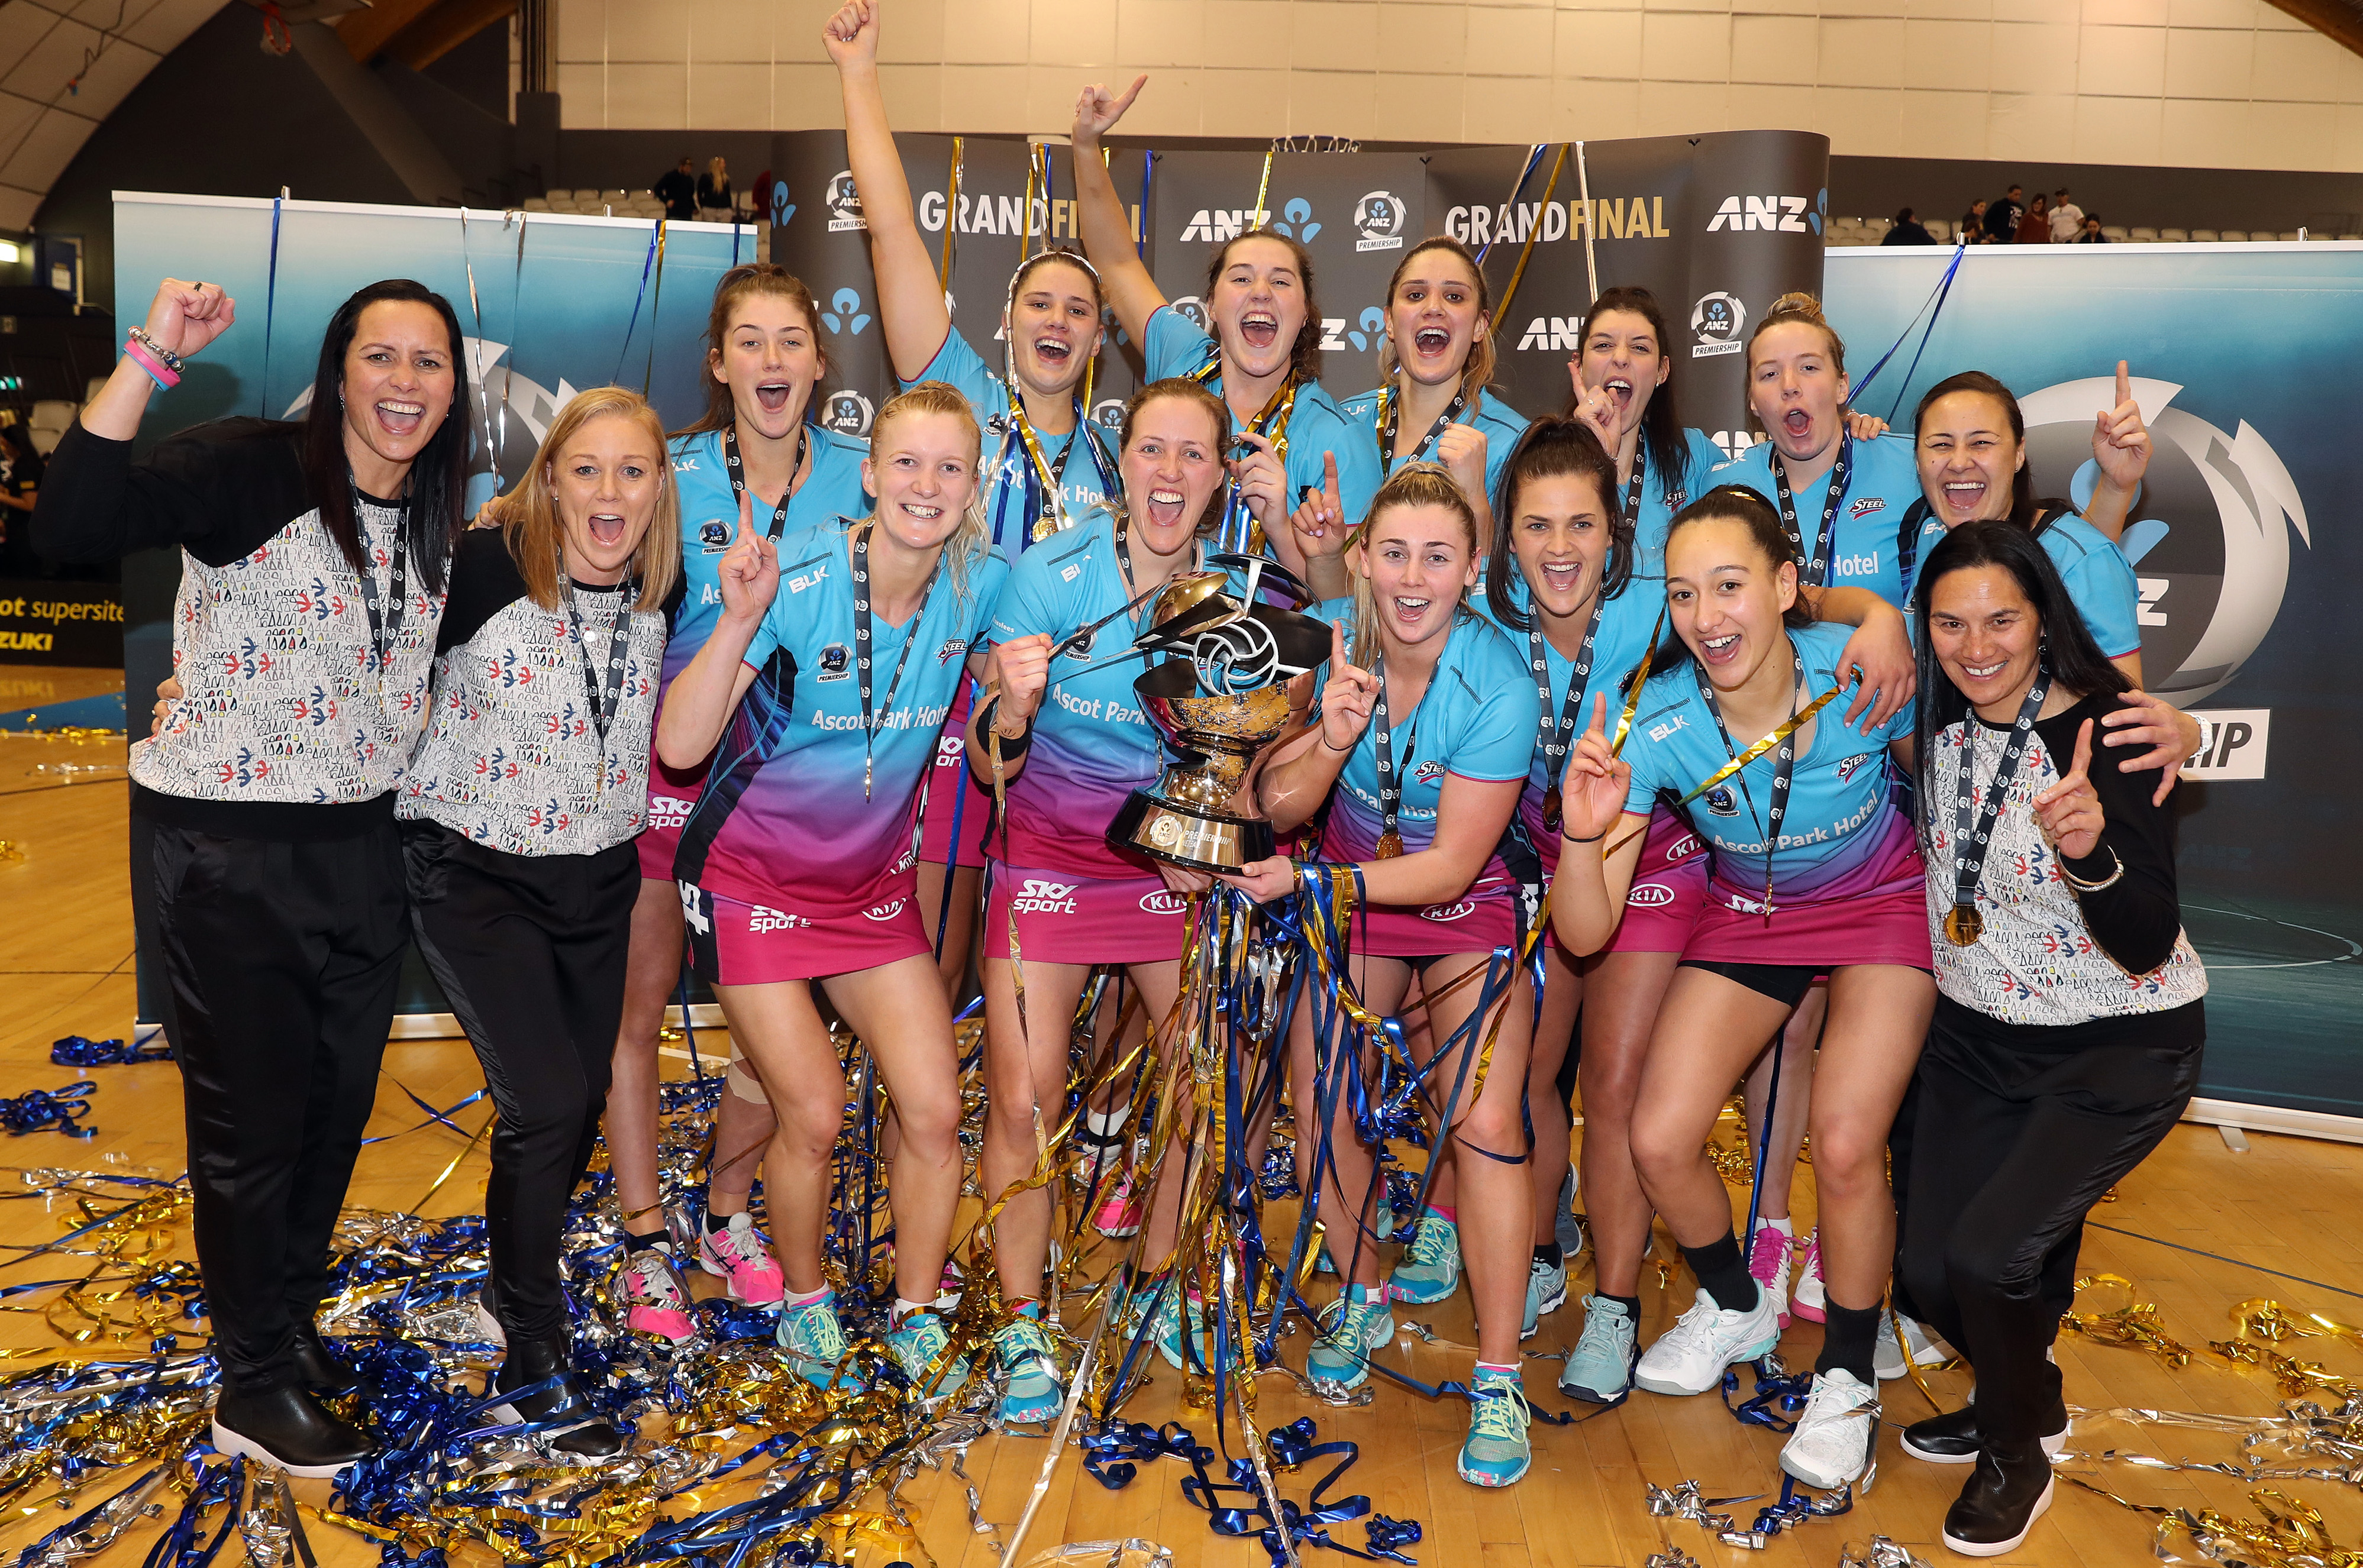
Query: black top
[(712, 192), (678, 192), (1912, 233), (2135, 920), (485, 581), (218, 490)]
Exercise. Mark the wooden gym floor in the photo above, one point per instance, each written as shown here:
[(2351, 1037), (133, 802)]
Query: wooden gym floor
[(2286, 1204)]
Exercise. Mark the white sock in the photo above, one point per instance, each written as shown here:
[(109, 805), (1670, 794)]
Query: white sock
[(1786, 1227), (1107, 1126), (793, 1298), (903, 1307)]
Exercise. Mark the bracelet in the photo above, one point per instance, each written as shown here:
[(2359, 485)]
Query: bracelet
[(172, 361), (2083, 886), (1570, 838), (2207, 735), (1341, 750), (156, 368), (988, 723)]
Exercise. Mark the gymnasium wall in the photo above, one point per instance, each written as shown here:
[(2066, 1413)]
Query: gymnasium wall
[(2223, 84)]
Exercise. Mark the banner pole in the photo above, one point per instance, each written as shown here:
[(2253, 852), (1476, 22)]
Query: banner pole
[(1526, 252), (1590, 261)]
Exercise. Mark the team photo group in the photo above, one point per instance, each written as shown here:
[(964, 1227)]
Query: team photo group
[(1593, 777)]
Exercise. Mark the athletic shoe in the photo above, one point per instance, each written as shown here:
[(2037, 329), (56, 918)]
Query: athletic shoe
[(1808, 1300), (290, 1429), (1600, 1368), (1497, 1452), (1118, 1215), (656, 1298), (1167, 1332), (1768, 1260), (2006, 1495), (1833, 1442), (1952, 1437), (742, 1260), (1689, 1358), (1023, 1350), (1430, 1272), (917, 1344), (1339, 1361), (1382, 1229), (1546, 1292), (814, 1345), (1887, 1357)]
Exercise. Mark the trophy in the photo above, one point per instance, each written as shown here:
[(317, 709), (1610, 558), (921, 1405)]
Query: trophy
[(1219, 696)]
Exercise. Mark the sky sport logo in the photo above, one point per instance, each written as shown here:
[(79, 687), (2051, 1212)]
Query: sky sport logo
[(1715, 323), (844, 205), (1041, 897), (668, 811), (762, 919), (1378, 219)]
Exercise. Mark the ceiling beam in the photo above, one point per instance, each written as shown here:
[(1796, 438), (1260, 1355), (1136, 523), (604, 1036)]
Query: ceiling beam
[(367, 32), (419, 32), (2341, 21)]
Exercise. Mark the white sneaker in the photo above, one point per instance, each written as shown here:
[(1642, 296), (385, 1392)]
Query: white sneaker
[(1768, 1261), (1689, 1358), (1887, 1356), (1833, 1444)]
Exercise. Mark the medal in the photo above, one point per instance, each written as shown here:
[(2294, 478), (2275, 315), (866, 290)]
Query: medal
[(1240, 532), (1555, 738), (1963, 923), (1963, 926), (1550, 809), (1390, 844)]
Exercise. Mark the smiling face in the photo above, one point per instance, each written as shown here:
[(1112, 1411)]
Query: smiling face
[(1054, 326), (400, 379), (1968, 457), (1256, 305), (606, 483), (1171, 467), (1622, 353), (1560, 533), (1433, 317), (1420, 561), (770, 360), (1796, 389), (922, 468), (1726, 598), (1986, 635)]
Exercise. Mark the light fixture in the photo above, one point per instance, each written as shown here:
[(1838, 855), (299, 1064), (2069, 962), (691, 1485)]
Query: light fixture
[(10, 252)]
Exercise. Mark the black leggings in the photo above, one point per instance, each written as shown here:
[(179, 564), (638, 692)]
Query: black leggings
[(2020, 1131), (529, 950)]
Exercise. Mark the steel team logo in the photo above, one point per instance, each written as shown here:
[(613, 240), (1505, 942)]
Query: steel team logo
[(2208, 536), (844, 203), (1378, 219), (848, 413), (1715, 322), (1428, 772)]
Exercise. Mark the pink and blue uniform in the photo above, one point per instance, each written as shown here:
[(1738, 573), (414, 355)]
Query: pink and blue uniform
[(1663, 494), (1477, 719), (709, 519), (1882, 480), (1847, 875), (1501, 424), (790, 869), (1082, 460)]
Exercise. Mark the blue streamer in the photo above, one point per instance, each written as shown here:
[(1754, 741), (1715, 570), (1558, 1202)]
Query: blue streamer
[(40, 1110), (1936, 298), (647, 263), (75, 1050), (271, 303)]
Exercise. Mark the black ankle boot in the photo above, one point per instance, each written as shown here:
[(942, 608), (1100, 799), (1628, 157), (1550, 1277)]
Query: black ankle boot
[(532, 1361), (288, 1427), (2006, 1494), (1948, 1439), (322, 1370)]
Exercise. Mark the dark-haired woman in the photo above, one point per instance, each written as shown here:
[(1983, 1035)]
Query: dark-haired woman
[(1046, 465), (1814, 872), (518, 815), (314, 559), (1259, 350), (755, 446), (2068, 1023)]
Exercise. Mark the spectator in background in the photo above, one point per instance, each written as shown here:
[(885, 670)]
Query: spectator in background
[(2035, 229), (1973, 225), (678, 191), (2002, 216), (713, 200), (2067, 218), (1908, 230), (2091, 234), (760, 195), (20, 477)]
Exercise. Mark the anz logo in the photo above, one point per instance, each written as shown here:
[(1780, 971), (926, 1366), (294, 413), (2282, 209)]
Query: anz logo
[(1368, 327), (1783, 215)]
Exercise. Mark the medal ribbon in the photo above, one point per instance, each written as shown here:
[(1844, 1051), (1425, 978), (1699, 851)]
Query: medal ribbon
[(862, 644), (1970, 840), (1553, 738), (1240, 532), (1816, 569), (604, 707), (1389, 781), (1045, 481), (384, 622), (738, 473), (1782, 764), (1389, 411)]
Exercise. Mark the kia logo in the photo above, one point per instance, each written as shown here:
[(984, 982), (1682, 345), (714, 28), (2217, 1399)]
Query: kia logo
[(1684, 847), (884, 912), (1649, 895), (1447, 911), (1164, 901)]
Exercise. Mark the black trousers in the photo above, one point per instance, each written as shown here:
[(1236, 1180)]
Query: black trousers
[(529, 950), (283, 959), (2019, 1131)]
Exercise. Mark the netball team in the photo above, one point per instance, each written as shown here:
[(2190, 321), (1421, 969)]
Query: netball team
[(1834, 762)]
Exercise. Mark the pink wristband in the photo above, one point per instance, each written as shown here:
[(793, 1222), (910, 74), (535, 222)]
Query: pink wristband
[(157, 369)]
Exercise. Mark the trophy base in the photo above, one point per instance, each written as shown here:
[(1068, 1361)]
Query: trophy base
[(1189, 835)]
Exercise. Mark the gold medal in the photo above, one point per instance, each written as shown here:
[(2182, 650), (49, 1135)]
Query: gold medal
[(1963, 926), (1550, 809), (1390, 846)]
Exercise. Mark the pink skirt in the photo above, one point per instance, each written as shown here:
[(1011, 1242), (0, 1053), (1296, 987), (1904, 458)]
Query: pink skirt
[(1885, 922), (1484, 917), (951, 791), (735, 943), (1066, 918), (1668, 889)]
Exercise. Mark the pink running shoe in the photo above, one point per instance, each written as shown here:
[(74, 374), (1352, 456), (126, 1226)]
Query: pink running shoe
[(1119, 1211), (1768, 1260), (1807, 1300), (741, 1259), (657, 1297)]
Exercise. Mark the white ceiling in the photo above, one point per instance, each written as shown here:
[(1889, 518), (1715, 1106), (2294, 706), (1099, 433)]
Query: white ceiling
[(111, 45)]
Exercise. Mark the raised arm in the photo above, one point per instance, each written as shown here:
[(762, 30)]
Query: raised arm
[(1107, 238), (2121, 449), (1595, 864), (698, 705), (910, 296)]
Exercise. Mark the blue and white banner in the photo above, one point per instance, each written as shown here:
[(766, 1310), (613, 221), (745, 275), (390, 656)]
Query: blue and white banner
[(2244, 542)]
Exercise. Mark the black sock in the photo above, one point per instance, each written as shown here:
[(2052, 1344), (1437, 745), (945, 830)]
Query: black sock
[(637, 1243), (1722, 1273), (1549, 1256), (717, 1223), (1850, 1337), (1632, 1305)]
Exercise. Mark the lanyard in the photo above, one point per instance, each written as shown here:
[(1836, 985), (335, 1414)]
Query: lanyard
[(738, 473), (1963, 923), (1633, 501), (603, 706), (862, 642), (1816, 569), (1552, 737), (1782, 763), (1049, 512), (385, 620), (1390, 844), (1240, 532), (1389, 411)]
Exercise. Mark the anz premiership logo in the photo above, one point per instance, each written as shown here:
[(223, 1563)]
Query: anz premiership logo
[(1715, 323), (1378, 219), (844, 203), (1041, 897), (848, 413)]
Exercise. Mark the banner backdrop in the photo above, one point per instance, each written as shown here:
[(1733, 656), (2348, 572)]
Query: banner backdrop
[(2243, 544)]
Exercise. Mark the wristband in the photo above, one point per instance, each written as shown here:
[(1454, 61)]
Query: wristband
[(1341, 750), (141, 336), (156, 368), (988, 725), (2206, 736), (1570, 838)]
